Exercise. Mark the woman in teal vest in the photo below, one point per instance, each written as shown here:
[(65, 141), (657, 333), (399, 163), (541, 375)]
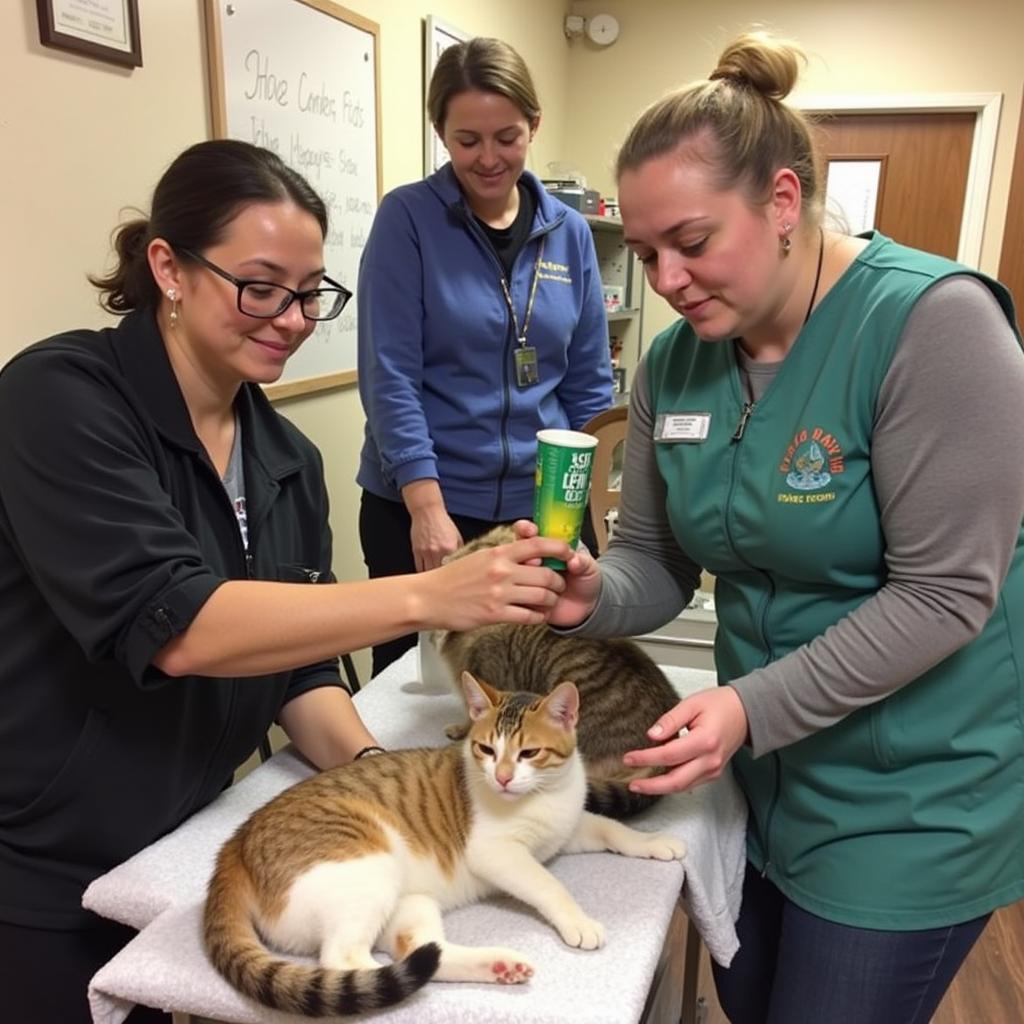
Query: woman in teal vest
[(833, 430)]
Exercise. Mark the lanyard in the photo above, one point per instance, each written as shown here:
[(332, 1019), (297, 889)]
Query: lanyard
[(521, 335)]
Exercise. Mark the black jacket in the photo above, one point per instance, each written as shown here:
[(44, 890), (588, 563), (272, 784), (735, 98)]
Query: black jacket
[(114, 530)]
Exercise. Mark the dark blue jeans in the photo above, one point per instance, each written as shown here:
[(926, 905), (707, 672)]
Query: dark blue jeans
[(795, 968)]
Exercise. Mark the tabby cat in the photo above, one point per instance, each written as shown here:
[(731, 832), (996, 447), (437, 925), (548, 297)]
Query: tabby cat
[(622, 691), (371, 853)]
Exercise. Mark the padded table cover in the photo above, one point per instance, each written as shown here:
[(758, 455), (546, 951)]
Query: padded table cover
[(160, 892)]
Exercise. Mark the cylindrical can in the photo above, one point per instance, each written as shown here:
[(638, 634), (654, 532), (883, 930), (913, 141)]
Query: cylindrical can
[(562, 486)]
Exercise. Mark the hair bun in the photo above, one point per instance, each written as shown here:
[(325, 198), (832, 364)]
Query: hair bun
[(758, 61)]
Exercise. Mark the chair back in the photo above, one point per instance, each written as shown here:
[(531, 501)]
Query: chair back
[(609, 427)]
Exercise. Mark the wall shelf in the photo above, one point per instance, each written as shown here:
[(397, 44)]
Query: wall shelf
[(622, 280), (604, 223)]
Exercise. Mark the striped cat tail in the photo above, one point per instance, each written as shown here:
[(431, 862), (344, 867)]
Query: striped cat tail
[(235, 950), (614, 799)]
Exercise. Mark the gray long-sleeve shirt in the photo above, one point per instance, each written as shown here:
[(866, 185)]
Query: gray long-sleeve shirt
[(949, 478)]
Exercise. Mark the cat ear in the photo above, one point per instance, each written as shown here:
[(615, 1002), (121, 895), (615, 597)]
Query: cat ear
[(562, 705), (480, 698)]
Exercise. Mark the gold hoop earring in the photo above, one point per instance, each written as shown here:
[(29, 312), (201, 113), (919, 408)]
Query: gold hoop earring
[(173, 317), (785, 242)]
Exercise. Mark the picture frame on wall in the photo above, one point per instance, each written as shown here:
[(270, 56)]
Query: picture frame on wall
[(438, 35), (106, 30)]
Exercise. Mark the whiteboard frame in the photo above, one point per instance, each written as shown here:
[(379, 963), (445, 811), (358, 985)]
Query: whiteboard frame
[(435, 31), (218, 111)]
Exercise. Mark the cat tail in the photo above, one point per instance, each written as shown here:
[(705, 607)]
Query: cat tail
[(235, 950), (614, 799)]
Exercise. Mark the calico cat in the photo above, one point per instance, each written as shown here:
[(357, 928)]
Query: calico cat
[(371, 853), (622, 691)]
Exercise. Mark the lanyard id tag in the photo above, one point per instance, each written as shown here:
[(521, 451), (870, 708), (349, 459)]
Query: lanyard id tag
[(689, 427), (527, 370)]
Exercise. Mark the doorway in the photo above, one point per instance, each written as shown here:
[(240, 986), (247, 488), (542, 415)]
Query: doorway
[(1011, 263), (982, 110), (922, 160)]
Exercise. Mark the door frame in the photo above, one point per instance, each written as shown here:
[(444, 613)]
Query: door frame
[(986, 107)]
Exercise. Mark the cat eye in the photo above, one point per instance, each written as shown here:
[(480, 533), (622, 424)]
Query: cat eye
[(485, 750), (526, 755)]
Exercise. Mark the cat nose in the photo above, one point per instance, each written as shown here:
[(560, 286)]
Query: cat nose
[(503, 777)]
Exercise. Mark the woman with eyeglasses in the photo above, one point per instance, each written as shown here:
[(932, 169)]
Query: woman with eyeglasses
[(165, 559), (481, 321)]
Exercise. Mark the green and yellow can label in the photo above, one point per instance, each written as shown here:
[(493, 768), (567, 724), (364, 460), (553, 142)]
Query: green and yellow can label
[(565, 459)]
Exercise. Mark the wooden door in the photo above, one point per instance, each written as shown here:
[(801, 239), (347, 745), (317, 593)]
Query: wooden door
[(926, 159), (1011, 264)]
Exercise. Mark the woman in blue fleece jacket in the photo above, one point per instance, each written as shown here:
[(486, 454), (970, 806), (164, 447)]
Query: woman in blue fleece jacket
[(481, 321)]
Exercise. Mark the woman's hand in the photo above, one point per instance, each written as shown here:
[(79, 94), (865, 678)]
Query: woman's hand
[(433, 535), (502, 584), (716, 724), (582, 589), (582, 583)]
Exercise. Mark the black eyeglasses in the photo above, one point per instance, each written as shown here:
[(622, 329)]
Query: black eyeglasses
[(266, 300)]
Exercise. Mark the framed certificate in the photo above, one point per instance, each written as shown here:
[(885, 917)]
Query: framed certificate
[(105, 29), (438, 35)]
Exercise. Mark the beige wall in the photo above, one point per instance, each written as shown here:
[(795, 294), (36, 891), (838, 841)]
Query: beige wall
[(854, 46), (81, 140)]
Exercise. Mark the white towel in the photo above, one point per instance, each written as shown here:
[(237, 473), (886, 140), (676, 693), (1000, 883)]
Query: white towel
[(174, 870), (166, 967), (160, 892)]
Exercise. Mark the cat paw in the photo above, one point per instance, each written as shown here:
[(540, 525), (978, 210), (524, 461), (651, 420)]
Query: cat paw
[(512, 973), (660, 846), (582, 933), (457, 731)]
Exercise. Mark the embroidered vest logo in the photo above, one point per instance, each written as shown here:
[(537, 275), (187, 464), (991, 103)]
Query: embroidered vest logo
[(812, 459)]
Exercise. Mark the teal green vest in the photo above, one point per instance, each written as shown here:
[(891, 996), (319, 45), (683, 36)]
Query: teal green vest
[(909, 813)]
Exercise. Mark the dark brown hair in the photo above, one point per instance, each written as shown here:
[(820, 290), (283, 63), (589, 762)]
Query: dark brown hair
[(197, 197), (488, 65), (737, 123)]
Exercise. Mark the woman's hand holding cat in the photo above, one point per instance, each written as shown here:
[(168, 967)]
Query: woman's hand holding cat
[(716, 727), (502, 584)]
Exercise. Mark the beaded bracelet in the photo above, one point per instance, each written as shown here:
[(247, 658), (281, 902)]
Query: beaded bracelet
[(369, 752)]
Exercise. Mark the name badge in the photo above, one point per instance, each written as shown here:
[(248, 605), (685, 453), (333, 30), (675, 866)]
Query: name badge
[(527, 369), (686, 427)]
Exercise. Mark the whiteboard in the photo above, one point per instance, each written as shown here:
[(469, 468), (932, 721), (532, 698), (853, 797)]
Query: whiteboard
[(302, 78)]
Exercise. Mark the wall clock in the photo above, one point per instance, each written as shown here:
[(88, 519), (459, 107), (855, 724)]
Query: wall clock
[(603, 29)]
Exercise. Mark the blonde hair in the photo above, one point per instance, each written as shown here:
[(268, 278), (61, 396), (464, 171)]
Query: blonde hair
[(737, 123), (486, 65)]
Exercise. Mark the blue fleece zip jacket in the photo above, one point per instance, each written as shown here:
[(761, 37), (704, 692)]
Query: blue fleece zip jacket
[(436, 347)]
